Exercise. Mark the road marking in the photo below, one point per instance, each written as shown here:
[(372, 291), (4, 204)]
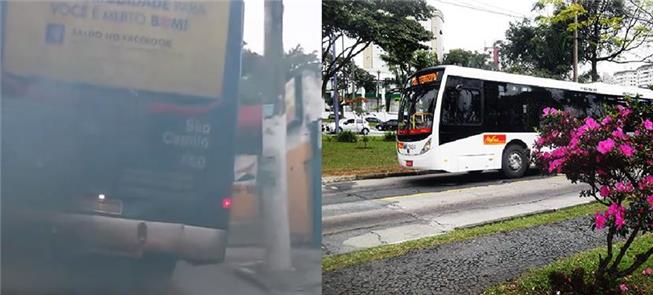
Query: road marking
[(458, 190)]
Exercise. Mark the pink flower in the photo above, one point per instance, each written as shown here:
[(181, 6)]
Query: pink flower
[(623, 111), (606, 120), (613, 209), (623, 288), (619, 220), (591, 124), (549, 111), (599, 220), (606, 146), (559, 152), (646, 182), (623, 187), (604, 191), (627, 150), (649, 199), (573, 142), (618, 212), (647, 271), (555, 165), (619, 134), (648, 125)]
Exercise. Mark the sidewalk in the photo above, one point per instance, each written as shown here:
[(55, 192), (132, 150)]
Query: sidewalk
[(243, 274), (466, 267), (342, 178)]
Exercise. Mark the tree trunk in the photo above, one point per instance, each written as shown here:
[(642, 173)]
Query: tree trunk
[(324, 86), (594, 73)]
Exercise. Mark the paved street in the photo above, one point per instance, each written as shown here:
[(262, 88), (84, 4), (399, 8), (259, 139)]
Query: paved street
[(362, 214)]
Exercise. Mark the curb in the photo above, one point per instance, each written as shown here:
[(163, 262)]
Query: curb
[(332, 179)]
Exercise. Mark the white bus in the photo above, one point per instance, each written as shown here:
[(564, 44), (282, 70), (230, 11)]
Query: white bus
[(457, 119)]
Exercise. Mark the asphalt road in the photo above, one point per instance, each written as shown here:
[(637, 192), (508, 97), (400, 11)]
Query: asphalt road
[(368, 213), (466, 267)]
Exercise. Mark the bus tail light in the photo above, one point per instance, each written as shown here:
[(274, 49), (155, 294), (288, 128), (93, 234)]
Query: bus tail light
[(227, 203), (409, 163)]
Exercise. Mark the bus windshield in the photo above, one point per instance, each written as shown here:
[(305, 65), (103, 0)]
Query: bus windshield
[(416, 112)]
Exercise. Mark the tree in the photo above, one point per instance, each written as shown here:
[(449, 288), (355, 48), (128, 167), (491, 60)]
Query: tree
[(386, 23), (617, 166), (542, 50), (650, 87), (402, 62), (468, 59), (294, 62), (606, 28), (424, 58), (352, 75)]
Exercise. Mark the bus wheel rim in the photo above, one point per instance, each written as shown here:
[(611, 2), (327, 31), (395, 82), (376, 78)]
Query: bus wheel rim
[(514, 161)]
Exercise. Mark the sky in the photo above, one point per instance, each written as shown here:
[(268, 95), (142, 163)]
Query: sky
[(487, 21), (302, 24)]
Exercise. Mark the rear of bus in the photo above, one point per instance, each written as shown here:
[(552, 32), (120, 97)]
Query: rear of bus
[(104, 156)]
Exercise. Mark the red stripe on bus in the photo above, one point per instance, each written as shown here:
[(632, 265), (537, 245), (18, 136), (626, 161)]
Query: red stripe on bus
[(415, 131), (160, 107)]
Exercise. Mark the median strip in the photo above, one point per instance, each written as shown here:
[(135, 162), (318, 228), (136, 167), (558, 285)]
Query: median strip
[(536, 281), (338, 261)]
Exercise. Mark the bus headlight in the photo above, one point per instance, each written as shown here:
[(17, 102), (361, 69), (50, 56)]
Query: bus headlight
[(426, 147)]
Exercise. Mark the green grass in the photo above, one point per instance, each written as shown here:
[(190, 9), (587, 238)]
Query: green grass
[(334, 262), (342, 158), (535, 281)]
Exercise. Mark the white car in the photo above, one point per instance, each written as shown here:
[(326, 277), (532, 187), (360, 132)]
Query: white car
[(355, 125)]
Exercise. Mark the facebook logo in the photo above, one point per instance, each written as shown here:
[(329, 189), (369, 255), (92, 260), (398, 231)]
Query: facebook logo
[(54, 34)]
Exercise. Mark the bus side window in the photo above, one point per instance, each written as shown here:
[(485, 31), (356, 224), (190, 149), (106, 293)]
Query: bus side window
[(490, 108), (461, 105), (538, 100), (513, 107)]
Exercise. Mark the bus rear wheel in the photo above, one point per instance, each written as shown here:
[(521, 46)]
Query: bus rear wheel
[(514, 161)]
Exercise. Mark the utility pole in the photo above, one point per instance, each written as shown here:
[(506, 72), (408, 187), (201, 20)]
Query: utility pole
[(273, 179), (378, 81), (334, 86), (575, 45)]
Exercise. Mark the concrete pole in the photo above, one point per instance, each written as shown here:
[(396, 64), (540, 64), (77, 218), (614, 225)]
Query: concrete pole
[(334, 86), (273, 179), (378, 81)]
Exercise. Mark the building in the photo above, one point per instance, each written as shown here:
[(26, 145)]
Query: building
[(626, 78), (645, 76), (436, 25), (640, 77), (373, 63)]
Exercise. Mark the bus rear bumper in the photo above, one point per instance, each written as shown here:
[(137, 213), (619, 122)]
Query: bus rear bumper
[(131, 237)]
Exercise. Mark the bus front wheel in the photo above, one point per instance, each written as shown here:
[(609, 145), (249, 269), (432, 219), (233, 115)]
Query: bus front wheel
[(514, 161)]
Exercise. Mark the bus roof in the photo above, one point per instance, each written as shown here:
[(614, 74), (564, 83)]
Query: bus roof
[(602, 88)]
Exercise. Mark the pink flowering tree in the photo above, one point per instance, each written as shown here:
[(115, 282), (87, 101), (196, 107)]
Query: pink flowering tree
[(614, 155)]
